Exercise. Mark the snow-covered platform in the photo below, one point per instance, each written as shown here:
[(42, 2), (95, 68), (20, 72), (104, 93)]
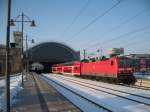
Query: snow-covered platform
[(92, 96), (15, 87), (38, 96)]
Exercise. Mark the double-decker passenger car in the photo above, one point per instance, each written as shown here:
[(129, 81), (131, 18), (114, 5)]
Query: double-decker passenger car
[(57, 68), (72, 68)]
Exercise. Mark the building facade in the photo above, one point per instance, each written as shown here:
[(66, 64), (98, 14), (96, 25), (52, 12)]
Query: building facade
[(15, 62)]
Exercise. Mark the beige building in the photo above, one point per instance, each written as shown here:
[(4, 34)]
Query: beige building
[(15, 56), (17, 39)]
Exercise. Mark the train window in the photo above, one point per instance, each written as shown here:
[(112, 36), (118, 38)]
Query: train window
[(75, 67), (125, 62)]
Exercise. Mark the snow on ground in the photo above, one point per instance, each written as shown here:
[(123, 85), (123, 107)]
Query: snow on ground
[(15, 87), (143, 76), (81, 103), (114, 103), (112, 86)]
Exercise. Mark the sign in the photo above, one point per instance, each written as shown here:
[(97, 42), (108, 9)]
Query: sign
[(115, 51)]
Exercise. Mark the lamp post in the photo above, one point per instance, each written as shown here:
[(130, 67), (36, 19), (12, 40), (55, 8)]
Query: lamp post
[(27, 56), (22, 21), (7, 57)]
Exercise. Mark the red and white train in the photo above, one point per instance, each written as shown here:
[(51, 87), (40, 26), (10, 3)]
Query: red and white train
[(70, 68), (117, 69)]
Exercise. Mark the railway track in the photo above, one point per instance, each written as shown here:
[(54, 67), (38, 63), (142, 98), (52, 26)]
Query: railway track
[(136, 86), (109, 88), (115, 100), (105, 109), (131, 86), (123, 85), (135, 97)]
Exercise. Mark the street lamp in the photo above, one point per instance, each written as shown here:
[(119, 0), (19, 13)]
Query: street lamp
[(12, 23), (27, 56), (7, 56)]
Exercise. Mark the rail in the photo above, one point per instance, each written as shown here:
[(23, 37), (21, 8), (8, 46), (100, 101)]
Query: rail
[(87, 85)]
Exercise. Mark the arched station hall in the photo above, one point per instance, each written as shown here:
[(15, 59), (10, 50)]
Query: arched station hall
[(49, 53)]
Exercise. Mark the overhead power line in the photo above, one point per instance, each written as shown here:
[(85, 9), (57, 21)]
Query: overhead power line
[(128, 33), (76, 17), (94, 20), (131, 38), (139, 43), (135, 43), (121, 36), (120, 25)]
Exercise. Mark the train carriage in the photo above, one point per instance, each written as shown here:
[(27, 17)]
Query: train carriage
[(71, 68), (57, 68)]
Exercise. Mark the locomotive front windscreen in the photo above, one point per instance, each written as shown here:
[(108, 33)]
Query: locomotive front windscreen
[(125, 62)]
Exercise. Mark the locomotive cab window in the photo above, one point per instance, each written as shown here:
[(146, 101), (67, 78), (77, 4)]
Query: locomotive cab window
[(125, 62)]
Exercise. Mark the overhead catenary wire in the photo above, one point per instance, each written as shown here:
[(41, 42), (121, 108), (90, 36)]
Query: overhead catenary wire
[(131, 38), (119, 37), (121, 24), (94, 20), (134, 43), (137, 42), (76, 17)]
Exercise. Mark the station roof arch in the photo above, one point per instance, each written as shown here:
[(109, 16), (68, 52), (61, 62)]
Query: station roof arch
[(52, 52)]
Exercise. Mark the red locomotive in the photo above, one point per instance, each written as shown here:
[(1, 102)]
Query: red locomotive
[(117, 69)]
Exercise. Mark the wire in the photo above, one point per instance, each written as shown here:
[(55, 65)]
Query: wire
[(119, 37), (135, 37), (123, 23), (76, 17), (128, 33), (134, 43), (94, 20)]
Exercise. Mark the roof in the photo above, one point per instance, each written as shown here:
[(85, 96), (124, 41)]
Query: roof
[(52, 52), (139, 55)]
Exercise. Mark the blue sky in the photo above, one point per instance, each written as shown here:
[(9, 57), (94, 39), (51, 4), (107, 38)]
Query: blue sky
[(126, 25)]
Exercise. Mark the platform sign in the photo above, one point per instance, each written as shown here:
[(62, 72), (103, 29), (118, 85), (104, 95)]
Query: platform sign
[(142, 65)]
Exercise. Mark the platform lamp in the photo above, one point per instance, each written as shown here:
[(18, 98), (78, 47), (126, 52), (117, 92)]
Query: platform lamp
[(27, 54), (7, 72), (12, 23)]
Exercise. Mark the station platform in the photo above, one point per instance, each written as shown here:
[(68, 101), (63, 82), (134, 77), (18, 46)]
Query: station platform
[(38, 96)]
